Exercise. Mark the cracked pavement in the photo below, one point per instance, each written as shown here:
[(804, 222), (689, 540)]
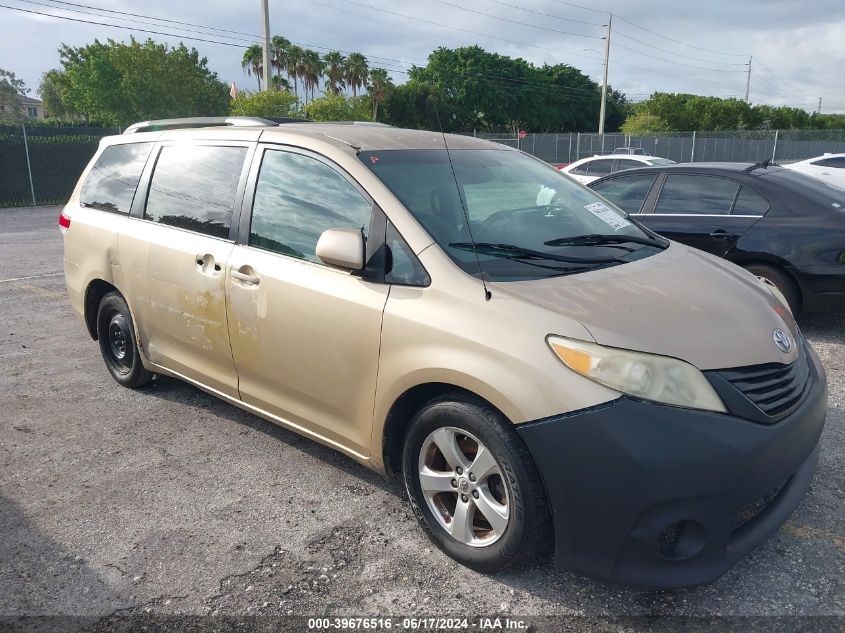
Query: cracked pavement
[(168, 501)]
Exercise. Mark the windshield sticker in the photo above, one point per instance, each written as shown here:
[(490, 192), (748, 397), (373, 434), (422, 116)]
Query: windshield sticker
[(607, 215)]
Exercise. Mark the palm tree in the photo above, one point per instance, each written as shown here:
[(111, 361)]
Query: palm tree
[(278, 58), (380, 88), (312, 71), (357, 72), (252, 62), (335, 65), (293, 65)]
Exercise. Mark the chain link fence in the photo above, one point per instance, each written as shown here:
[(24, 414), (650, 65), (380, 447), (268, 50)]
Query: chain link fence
[(40, 164), (682, 147)]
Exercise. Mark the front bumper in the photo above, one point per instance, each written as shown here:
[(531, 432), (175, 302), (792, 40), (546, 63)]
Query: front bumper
[(659, 496)]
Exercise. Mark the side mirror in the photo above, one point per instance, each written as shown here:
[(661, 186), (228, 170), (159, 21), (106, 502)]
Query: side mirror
[(343, 248)]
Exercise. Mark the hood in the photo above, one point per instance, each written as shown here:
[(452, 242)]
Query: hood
[(681, 302)]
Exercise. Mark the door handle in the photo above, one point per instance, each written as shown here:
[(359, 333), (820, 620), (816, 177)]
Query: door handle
[(249, 279), (207, 264), (719, 233)]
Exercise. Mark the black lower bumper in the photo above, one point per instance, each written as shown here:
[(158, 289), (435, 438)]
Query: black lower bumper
[(659, 496)]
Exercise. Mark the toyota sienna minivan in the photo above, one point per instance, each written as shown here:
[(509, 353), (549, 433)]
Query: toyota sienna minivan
[(538, 366)]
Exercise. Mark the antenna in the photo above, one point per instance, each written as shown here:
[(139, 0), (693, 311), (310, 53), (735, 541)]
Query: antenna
[(487, 293)]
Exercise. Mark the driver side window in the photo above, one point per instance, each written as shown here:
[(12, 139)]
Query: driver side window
[(297, 198)]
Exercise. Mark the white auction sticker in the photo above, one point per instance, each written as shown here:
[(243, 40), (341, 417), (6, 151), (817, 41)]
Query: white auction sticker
[(607, 215)]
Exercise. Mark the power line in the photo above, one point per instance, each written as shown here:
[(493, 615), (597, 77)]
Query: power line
[(666, 50), (706, 50), (496, 17), (548, 15), (455, 28), (663, 59)]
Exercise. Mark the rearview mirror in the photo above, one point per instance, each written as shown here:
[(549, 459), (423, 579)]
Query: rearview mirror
[(343, 248)]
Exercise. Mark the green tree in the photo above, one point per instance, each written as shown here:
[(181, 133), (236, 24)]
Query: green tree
[(644, 123), (115, 83), (268, 103), (253, 62), (312, 71), (335, 67), (53, 91), (294, 65), (339, 108), (10, 89), (279, 60), (380, 88), (357, 71)]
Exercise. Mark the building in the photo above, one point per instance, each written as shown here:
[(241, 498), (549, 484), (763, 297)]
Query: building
[(26, 106)]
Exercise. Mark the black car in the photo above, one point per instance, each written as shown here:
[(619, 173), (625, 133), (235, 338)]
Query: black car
[(778, 224)]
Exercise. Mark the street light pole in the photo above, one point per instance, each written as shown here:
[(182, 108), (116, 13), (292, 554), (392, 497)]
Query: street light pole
[(265, 14), (604, 80)]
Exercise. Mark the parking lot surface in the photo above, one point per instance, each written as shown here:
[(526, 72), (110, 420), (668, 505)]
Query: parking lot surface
[(167, 500)]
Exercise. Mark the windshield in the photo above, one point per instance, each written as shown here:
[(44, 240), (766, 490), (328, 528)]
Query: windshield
[(523, 214)]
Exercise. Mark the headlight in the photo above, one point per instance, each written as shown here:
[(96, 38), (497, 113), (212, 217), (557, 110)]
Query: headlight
[(647, 376)]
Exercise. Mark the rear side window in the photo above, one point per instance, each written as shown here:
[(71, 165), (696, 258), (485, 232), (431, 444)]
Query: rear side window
[(297, 198), (626, 192), (697, 195), (626, 163), (600, 167), (749, 202), (193, 187), (111, 184)]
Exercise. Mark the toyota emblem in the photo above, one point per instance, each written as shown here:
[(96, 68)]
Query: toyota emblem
[(782, 340)]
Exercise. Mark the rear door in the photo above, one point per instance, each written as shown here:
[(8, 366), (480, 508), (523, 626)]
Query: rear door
[(305, 336), (704, 211), (174, 256)]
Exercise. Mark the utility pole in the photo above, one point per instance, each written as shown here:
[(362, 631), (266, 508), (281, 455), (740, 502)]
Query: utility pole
[(748, 81), (604, 80), (265, 14), (819, 111)]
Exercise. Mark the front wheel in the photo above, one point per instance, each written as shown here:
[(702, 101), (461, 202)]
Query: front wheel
[(116, 335), (782, 281), (473, 484)]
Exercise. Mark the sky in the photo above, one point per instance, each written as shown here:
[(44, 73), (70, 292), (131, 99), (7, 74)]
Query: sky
[(656, 45)]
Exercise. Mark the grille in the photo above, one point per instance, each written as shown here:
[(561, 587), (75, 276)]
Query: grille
[(774, 387)]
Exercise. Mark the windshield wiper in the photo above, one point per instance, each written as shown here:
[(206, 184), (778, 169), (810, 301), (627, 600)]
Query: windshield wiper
[(599, 239), (517, 252)]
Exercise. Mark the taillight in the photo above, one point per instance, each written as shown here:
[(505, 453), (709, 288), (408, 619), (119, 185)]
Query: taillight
[(64, 221)]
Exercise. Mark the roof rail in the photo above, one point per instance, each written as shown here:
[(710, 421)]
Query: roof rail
[(198, 121)]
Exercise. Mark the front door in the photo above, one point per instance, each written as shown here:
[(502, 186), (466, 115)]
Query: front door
[(174, 260), (305, 336)]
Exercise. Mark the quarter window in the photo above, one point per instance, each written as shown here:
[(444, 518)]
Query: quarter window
[(404, 267), (702, 195), (626, 192), (297, 198), (114, 177), (749, 202), (193, 187)]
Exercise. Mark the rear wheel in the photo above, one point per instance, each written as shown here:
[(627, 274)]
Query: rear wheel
[(116, 335), (782, 281), (473, 484)]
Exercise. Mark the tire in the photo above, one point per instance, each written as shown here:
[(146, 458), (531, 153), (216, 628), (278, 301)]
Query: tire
[(116, 335), (511, 482), (782, 280)]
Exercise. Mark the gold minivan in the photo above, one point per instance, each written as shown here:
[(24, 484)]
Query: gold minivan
[(537, 365)]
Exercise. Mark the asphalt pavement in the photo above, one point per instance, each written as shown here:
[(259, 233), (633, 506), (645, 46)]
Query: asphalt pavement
[(166, 500)]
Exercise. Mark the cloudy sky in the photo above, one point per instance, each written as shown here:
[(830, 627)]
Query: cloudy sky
[(657, 45)]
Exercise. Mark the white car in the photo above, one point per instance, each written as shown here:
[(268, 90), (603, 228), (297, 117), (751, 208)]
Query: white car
[(589, 169), (830, 168)]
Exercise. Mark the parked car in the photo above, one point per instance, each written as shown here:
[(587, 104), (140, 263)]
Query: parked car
[(400, 296), (589, 169), (830, 168), (630, 150), (778, 224)]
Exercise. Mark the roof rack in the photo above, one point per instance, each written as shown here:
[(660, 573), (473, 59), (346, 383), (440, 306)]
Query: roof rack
[(199, 121)]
